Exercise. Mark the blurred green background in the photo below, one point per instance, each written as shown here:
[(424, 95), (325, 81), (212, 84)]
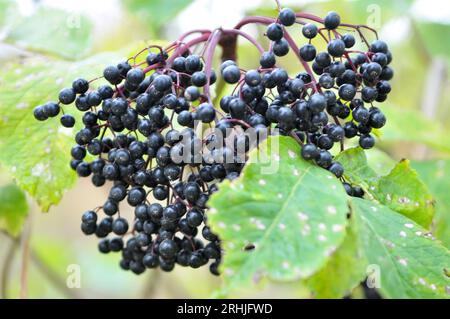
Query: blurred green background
[(58, 38)]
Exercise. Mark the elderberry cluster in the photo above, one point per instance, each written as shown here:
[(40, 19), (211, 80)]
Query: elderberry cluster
[(140, 133)]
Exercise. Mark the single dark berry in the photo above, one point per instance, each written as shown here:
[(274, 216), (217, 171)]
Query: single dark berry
[(274, 31), (308, 52), (332, 20), (309, 31), (309, 151), (287, 17), (80, 86), (67, 96)]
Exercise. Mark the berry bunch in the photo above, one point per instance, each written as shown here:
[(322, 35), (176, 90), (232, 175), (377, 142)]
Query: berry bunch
[(143, 129)]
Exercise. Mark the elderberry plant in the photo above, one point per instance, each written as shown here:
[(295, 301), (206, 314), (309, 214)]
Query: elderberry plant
[(134, 126)]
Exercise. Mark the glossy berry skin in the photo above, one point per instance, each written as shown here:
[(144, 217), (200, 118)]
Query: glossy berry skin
[(135, 76), (309, 31), (336, 47), (309, 152), (287, 17), (120, 226), (349, 40), (281, 47), (274, 31), (231, 74), (347, 92), (337, 169), (80, 86), (112, 75), (267, 60), (366, 141), (206, 113), (332, 20), (39, 113), (308, 52), (377, 120), (51, 109), (67, 96), (168, 248)]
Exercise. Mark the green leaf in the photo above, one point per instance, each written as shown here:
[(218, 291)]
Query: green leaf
[(411, 263), (343, 272), (13, 209), (356, 168), (401, 190), (37, 154), (379, 161), (403, 125), (156, 13), (53, 31), (294, 216), (435, 174)]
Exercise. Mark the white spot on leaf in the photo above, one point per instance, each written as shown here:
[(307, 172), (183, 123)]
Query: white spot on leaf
[(331, 210), (403, 262)]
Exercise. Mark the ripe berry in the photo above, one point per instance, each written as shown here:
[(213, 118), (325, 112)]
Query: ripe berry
[(308, 52), (206, 113), (332, 20), (194, 218), (193, 63), (281, 47), (336, 47), (309, 151), (199, 78), (231, 74), (347, 92), (162, 83), (89, 217), (379, 46), (51, 109), (360, 114), (274, 31), (39, 113), (323, 59), (135, 76), (120, 226), (309, 31), (377, 120), (366, 141), (67, 96), (287, 17), (337, 169), (168, 248), (80, 86), (267, 60), (349, 40), (112, 75)]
